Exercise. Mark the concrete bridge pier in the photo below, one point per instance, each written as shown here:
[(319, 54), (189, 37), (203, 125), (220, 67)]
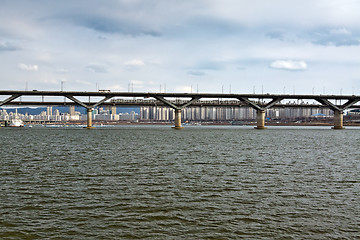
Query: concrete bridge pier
[(260, 119), (338, 119), (89, 118), (178, 119)]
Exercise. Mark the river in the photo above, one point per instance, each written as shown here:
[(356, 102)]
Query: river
[(202, 182)]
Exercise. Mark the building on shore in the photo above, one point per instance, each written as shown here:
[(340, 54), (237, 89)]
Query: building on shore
[(161, 113), (167, 114)]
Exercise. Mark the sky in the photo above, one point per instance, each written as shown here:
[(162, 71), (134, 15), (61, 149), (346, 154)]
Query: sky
[(212, 46)]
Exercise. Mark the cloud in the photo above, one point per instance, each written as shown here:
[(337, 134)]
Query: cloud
[(28, 67), (210, 65), (276, 34), (112, 25), (184, 89), (137, 82), (61, 70), (214, 25), (117, 87), (134, 64), (83, 82), (197, 39), (338, 37), (49, 80), (6, 46), (340, 31), (97, 68), (289, 65), (196, 73), (338, 42)]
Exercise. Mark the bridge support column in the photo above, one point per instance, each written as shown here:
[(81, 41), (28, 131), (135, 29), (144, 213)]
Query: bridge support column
[(89, 118), (178, 119), (260, 119), (338, 119)]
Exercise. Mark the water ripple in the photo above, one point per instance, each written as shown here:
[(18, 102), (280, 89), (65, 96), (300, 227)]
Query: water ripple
[(199, 183)]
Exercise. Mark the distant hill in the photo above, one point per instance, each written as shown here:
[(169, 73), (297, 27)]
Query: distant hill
[(65, 109), (24, 110)]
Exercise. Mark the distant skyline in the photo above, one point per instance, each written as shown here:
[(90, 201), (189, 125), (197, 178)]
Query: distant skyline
[(242, 46)]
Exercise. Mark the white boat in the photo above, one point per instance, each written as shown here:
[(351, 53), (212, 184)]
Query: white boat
[(16, 123)]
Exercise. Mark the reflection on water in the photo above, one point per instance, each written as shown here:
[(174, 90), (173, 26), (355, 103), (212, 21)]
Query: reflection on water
[(152, 182)]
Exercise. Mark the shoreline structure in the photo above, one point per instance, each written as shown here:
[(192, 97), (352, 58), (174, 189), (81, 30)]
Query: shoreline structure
[(196, 123)]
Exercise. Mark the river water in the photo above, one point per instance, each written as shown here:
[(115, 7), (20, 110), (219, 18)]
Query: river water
[(152, 182)]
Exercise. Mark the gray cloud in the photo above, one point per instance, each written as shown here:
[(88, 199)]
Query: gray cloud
[(241, 68), (195, 38), (196, 73), (335, 37), (214, 26), (210, 65), (276, 34), (337, 41), (97, 68), (112, 25), (134, 64), (6, 46)]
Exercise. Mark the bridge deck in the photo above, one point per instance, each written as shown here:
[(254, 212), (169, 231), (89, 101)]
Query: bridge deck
[(183, 100), (173, 95)]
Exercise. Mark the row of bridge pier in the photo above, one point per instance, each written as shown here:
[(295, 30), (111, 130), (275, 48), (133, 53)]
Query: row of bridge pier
[(260, 120), (259, 102)]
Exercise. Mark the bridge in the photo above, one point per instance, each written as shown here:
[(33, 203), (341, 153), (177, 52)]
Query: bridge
[(179, 101)]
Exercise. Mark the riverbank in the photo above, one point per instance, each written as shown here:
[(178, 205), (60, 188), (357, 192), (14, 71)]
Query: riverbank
[(195, 123), (228, 123)]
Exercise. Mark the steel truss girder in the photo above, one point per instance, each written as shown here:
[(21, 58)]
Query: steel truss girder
[(329, 104), (72, 98), (349, 103), (258, 107), (9, 99), (172, 105), (334, 107)]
